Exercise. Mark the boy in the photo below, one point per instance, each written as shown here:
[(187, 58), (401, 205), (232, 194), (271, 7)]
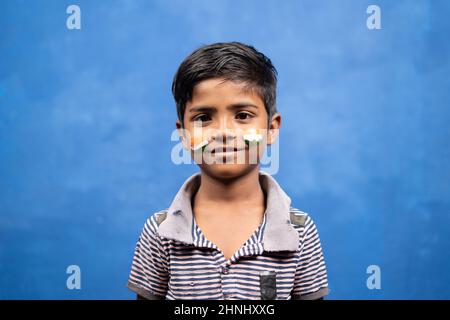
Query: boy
[(230, 232)]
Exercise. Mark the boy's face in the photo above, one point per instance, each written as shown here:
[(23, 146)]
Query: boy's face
[(223, 112)]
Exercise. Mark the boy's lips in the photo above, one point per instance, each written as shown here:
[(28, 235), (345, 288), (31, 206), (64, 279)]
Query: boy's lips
[(225, 149)]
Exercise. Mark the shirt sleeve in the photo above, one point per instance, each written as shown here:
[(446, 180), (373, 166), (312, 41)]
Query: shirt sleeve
[(310, 281), (149, 274)]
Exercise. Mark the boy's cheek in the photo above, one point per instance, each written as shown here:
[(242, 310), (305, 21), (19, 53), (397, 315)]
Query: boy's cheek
[(184, 137)]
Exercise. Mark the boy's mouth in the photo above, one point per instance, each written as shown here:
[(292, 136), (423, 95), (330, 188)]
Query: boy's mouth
[(225, 149)]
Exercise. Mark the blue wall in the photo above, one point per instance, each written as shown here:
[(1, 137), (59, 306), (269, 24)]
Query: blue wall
[(86, 117)]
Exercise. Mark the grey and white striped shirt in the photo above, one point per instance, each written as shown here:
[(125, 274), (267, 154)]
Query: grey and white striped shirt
[(281, 260)]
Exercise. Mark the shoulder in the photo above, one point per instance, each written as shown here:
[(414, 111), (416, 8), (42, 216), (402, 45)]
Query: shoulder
[(153, 221), (302, 222), (298, 218), (158, 217)]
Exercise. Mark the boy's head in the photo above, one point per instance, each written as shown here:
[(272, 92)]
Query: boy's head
[(232, 61), (226, 90)]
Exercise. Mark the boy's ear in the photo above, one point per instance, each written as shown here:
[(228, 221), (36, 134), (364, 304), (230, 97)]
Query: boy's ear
[(184, 135), (274, 128)]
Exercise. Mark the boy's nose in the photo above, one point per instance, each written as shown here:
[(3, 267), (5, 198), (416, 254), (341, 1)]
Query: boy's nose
[(226, 130), (224, 135), (226, 123)]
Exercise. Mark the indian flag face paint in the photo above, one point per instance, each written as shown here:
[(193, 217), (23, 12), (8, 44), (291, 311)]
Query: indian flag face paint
[(252, 136), (198, 144)]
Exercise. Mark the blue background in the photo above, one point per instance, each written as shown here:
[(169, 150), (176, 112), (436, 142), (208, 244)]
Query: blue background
[(86, 117)]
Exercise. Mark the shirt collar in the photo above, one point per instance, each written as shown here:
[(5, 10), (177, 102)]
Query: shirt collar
[(279, 235)]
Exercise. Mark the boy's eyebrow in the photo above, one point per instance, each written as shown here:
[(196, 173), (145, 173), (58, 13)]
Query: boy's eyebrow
[(202, 109), (233, 106), (241, 105)]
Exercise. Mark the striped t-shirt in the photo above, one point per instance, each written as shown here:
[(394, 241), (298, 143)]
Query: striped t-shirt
[(281, 260)]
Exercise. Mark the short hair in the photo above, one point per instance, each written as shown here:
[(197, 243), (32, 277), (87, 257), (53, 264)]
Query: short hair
[(232, 61)]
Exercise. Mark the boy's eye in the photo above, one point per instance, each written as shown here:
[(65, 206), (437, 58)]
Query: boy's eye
[(243, 116), (201, 118)]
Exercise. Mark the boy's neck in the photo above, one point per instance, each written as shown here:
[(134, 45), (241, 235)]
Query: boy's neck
[(243, 190)]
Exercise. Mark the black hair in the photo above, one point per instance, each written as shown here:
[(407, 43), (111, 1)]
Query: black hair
[(232, 61)]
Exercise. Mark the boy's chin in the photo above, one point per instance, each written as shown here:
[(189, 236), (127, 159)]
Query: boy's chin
[(227, 171)]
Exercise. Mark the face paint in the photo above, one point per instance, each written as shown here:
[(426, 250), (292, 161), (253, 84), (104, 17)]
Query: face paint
[(252, 136), (196, 146), (200, 146)]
